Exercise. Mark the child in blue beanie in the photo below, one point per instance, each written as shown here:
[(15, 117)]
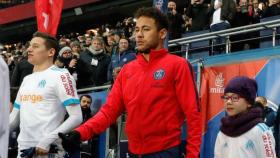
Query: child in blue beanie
[(243, 133)]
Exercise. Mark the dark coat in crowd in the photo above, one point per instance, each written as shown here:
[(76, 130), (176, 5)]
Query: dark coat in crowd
[(269, 116), (175, 25), (120, 60), (22, 69), (272, 11), (83, 71), (200, 16), (99, 69), (228, 10)]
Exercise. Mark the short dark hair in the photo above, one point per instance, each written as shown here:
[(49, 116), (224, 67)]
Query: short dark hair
[(154, 13), (87, 96), (50, 42)]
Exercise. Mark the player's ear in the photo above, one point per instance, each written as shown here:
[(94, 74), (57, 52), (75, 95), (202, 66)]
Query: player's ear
[(162, 33)]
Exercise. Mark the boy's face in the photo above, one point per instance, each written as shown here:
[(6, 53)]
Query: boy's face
[(234, 104)]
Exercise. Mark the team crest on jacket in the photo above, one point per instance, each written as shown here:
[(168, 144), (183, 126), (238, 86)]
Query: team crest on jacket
[(159, 74)]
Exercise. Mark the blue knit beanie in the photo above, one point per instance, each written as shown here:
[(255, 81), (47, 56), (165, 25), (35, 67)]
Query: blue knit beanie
[(243, 86)]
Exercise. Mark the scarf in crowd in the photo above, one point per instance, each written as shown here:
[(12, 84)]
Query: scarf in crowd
[(235, 126), (93, 51)]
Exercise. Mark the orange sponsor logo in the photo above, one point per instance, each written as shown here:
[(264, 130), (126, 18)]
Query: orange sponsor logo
[(31, 98)]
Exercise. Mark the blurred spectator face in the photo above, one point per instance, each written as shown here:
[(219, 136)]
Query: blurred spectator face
[(37, 51), (123, 45), (255, 4), (97, 45), (67, 54), (88, 41), (117, 38), (81, 39), (62, 43), (271, 2), (85, 102), (244, 6), (243, 2), (147, 35), (110, 40), (171, 5), (76, 48)]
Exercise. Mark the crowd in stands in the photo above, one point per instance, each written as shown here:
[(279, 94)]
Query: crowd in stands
[(10, 3), (92, 58), (95, 57)]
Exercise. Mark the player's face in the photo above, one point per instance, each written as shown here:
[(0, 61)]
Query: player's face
[(37, 51), (147, 35)]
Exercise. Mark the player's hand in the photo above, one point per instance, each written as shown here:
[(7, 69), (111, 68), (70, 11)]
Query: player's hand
[(27, 153), (40, 151), (70, 141)]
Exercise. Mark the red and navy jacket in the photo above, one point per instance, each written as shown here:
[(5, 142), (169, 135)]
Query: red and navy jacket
[(158, 96)]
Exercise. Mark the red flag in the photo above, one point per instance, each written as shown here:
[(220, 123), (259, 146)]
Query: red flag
[(48, 14)]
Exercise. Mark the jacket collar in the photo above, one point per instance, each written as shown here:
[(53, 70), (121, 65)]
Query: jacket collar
[(154, 54)]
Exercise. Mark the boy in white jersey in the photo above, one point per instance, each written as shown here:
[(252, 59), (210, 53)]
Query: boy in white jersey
[(43, 99), (4, 108), (243, 133)]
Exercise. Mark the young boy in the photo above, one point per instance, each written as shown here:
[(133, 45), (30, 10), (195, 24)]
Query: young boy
[(243, 133)]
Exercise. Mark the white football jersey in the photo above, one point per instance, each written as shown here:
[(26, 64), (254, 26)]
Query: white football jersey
[(4, 108), (41, 99), (258, 142)]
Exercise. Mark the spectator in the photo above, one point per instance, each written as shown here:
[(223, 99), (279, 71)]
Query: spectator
[(38, 108), (88, 41), (124, 55), (117, 36), (4, 108), (223, 12), (111, 45), (273, 9), (64, 57), (99, 61), (85, 102), (63, 42), (243, 133), (152, 90), (79, 69), (76, 48), (269, 115), (258, 12), (242, 18), (175, 21), (199, 13), (22, 69)]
